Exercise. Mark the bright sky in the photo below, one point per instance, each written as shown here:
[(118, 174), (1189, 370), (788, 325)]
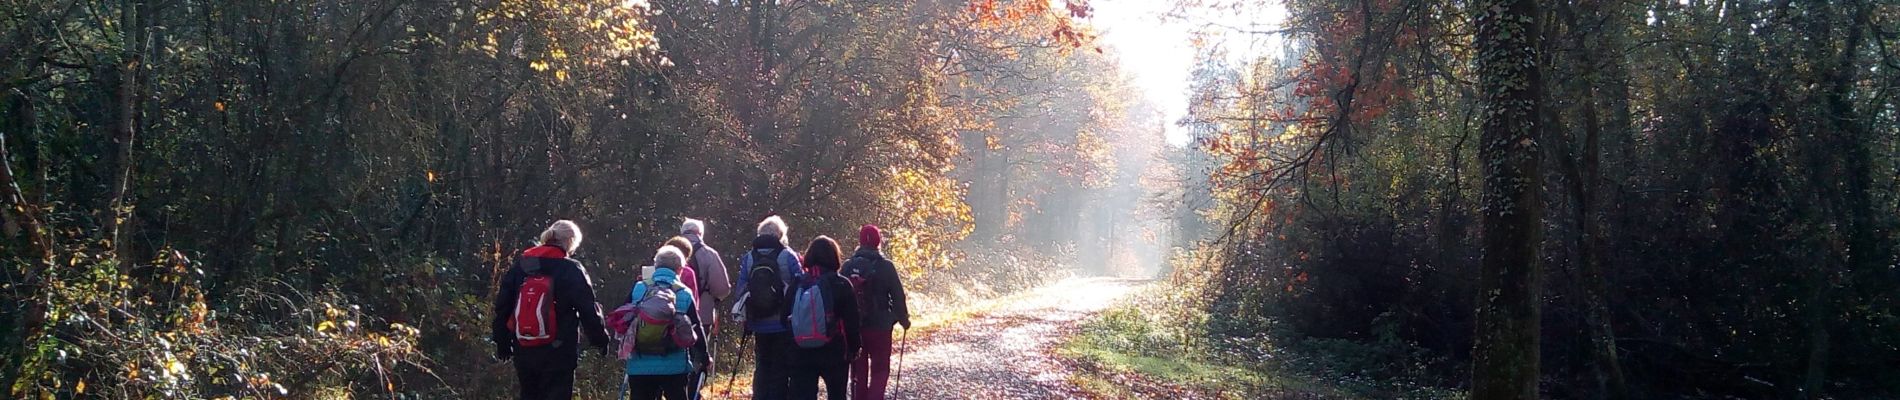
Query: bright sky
[(1154, 48)]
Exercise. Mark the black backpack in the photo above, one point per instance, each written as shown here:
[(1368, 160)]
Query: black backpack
[(858, 271), (765, 292)]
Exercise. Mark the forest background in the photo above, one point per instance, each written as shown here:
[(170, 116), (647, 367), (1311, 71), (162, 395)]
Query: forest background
[(201, 198), (314, 198)]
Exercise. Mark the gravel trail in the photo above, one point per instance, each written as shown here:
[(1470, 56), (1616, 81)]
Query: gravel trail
[(1007, 352)]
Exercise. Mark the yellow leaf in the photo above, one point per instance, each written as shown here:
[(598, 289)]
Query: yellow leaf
[(80, 388), (560, 75)]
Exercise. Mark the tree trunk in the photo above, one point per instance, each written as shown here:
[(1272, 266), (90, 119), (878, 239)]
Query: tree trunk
[(1505, 355), (1595, 284), (125, 126), (1583, 170), (1852, 164)]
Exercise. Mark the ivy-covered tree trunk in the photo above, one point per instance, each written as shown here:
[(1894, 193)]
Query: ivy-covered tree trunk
[(1505, 357)]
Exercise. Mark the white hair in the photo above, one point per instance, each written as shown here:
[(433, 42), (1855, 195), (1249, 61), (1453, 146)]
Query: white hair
[(775, 227), (669, 258), (693, 226), (563, 233)]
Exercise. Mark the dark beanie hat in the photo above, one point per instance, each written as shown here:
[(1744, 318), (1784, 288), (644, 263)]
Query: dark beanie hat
[(870, 236)]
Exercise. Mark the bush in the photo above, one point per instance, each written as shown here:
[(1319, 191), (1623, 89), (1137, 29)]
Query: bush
[(152, 333)]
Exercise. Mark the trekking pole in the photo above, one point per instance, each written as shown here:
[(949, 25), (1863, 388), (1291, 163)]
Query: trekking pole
[(699, 385), (623, 387), (739, 359), (903, 344), (712, 343)]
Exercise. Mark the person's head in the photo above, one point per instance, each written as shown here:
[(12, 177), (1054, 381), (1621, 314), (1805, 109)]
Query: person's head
[(823, 254), (563, 234), (693, 227), (774, 226), (679, 242), (669, 258), (870, 237)]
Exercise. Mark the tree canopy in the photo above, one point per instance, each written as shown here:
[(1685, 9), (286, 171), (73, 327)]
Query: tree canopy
[(267, 198)]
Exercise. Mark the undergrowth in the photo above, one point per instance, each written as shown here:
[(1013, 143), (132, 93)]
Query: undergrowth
[(147, 330)]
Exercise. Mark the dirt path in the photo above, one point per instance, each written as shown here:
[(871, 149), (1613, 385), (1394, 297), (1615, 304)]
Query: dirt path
[(1007, 352)]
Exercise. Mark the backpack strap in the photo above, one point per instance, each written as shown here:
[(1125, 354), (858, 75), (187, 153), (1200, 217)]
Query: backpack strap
[(690, 298), (634, 294)]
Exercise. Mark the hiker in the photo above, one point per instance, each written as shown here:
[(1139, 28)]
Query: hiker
[(662, 327), (770, 268), (545, 302), (690, 276), (712, 286), (824, 323), (687, 275), (881, 296), (714, 283)]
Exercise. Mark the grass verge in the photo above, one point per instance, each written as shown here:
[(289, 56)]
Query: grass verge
[(1126, 354), (1123, 354)]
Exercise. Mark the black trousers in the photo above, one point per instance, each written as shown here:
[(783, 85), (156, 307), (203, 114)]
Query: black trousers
[(651, 387), (805, 382), (772, 354), (546, 373)]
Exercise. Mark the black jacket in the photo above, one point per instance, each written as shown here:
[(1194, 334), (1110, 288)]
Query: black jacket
[(575, 309), (845, 332), (884, 303)]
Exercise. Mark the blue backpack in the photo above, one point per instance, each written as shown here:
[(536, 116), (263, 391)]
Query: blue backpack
[(811, 319)]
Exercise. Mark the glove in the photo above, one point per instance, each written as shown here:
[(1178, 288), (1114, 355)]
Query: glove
[(905, 322), (504, 352)]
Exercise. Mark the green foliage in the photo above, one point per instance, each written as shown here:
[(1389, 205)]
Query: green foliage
[(349, 178), (151, 333)]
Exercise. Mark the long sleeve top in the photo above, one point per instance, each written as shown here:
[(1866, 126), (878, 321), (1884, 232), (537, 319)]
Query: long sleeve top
[(575, 309), (884, 300), (789, 271)]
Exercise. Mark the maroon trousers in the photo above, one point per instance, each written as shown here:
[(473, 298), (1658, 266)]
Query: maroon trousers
[(871, 373)]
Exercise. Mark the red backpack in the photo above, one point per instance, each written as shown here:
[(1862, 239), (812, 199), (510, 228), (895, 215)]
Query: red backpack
[(533, 320)]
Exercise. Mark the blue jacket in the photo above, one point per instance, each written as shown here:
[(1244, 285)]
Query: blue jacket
[(674, 363), (789, 271)]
